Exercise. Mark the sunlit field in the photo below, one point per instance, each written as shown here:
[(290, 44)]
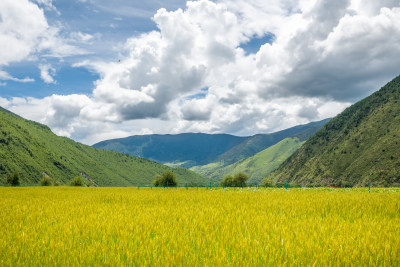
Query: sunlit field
[(198, 227)]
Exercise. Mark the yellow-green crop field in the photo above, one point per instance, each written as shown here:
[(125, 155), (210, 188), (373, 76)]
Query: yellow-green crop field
[(64, 226)]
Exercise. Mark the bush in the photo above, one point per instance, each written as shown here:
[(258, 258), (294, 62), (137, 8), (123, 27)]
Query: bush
[(89, 184), (13, 179), (168, 178), (227, 181), (266, 182), (57, 183), (239, 179), (77, 181), (46, 181)]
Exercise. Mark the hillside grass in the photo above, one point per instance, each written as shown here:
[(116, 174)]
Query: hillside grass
[(257, 166), (199, 149), (156, 227), (360, 144), (260, 142), (33, 150)]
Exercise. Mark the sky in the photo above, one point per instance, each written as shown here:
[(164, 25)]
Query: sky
[(97, 69)]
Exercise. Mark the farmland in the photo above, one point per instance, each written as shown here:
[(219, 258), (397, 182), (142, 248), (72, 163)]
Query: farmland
[(198, 227)]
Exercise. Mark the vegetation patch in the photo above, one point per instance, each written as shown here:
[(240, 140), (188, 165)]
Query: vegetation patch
[(359, 145), (168, 178), (31, 149)]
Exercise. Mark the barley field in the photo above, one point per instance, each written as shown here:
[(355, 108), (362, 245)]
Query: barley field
[(65, 226)]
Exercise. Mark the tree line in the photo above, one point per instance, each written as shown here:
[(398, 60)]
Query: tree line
[(168, 178)]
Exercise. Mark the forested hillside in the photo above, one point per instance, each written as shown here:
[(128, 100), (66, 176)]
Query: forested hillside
[(194, 149), (360, 144), (32, 150)]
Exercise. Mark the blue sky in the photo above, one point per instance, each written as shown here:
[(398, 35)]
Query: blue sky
[(102, 18), (98, 69), (112, 22)]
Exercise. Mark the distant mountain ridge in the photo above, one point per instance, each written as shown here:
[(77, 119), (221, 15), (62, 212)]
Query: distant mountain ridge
[(193, 149), (32, 150), (360, 144), (190, 148), (257, 143), (262, 163), (257, 166)]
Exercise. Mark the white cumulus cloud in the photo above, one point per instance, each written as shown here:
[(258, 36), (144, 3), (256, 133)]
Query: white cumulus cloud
[(192, 74), (25, 32)]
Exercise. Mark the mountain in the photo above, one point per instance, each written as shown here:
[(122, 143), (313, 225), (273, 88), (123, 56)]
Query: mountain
[(360, 144), (257, 143), (194, 149), (187, 149), (33, 150), (264, 162), (257, 166)]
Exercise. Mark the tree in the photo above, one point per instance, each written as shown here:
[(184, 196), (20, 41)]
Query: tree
[(239, 179), (168, 178), (77, 181), (13, 179), (227, 181), (46, 181), (266, 182)]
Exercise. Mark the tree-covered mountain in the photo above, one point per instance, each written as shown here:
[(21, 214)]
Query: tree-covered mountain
[(360, 144), (32, 150), (257, 143), (257, 166), (264, 162), (187, 149), (193, 149)]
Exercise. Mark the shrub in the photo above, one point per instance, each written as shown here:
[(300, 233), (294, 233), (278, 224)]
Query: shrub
[(46, 181), (89, 183), (168, 178), (77, 181), (57, 183), (13, 179), (227, 181), (239, 179), (266, 182)]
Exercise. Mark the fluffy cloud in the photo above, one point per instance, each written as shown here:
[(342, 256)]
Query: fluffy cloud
[(24, 33), (47, 72), (342, 56), (325, 56), (22, 24)]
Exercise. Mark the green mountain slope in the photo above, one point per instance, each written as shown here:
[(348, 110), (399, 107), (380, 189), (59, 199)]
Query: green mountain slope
[(32, 149), (192, 149), (360, 144), (259, 142), (257, 166)]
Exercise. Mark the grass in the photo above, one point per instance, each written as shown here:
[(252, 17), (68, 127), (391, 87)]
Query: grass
[(198, 227), (257, 166), (360, 144), (33, 150), (198, 149)]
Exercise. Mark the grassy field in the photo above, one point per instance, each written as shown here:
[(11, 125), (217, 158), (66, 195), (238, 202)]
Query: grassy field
[(67, 226)]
